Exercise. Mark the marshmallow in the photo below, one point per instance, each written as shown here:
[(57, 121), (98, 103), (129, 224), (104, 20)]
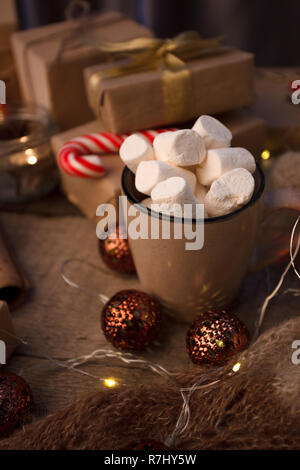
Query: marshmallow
[(182, 148), (168, 209), (174, 190), (200, 193), (229, 192), (150, 173), (219, 161), (214, 133), (134, 150)]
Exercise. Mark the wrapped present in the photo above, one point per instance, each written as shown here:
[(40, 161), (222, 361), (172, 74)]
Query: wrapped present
[(9, 75), (50, 61), (88, 193), (8, 339), (247, 131), (273, 103), (168, 81), (8, 25), (13, 285)]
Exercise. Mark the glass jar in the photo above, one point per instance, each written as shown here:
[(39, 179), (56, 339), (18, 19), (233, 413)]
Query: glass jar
[(27, 166)]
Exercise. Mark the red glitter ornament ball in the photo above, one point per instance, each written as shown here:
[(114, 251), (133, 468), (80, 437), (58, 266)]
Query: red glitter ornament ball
[(115, 252), (146, 445), (131, 320), (216, 336), (16, 402)]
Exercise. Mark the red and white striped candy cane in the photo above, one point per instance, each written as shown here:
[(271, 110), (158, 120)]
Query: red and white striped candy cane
[(82, 156)]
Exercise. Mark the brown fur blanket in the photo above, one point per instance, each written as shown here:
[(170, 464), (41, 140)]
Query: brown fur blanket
[(256, 408)]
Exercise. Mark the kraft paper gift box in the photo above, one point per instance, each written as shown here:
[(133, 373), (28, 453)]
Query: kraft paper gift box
[(87, 193), (9, 75), (247, 131), (7, 332), (8, 22), (273, 103), (13, 284), (50, 62), (219, 83), (8, 25)]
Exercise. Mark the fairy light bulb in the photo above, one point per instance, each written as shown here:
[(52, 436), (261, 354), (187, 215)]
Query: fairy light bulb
[(32, 160), (236, 367), (110, 382), (265, 154), (31, 157)]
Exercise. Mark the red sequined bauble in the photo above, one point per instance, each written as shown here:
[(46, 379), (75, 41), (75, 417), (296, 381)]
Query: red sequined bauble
[(146, 445), (216, 336), (16, 402), (131, 320), (115, 252)]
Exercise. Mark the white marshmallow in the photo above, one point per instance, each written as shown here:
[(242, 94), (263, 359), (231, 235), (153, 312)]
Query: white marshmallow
[(168, 209), (229, 192), (134, 150), (214, 133), (200, 193), (219, 161), (174, 190), (182, 148), (150, 173)]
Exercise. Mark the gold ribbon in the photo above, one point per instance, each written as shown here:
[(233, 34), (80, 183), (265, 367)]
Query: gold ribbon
[(167, 55)]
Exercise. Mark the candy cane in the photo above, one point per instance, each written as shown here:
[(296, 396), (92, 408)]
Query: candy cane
[(82, 156)]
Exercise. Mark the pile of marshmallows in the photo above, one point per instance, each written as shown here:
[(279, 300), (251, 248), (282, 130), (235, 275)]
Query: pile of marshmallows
[(191, 166)]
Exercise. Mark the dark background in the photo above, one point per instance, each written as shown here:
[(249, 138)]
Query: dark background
[(270, 29)]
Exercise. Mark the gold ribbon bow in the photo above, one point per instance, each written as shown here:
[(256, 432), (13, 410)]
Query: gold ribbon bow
[(167, 55)]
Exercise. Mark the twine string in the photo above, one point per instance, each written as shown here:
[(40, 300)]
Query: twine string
[(83, 19)]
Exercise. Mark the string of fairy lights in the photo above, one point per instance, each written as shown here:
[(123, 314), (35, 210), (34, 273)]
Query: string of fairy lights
[(205, 383)]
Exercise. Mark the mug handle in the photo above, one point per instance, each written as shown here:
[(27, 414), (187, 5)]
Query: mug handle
[(272, 242)]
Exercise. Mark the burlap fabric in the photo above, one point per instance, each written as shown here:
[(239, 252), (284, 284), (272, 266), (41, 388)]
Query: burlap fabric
[(61, 322), (257, 408)]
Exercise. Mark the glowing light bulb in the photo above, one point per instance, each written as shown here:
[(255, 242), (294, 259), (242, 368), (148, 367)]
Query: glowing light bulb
[(265, 154), (236, 367), (32, 160), (110, 382)]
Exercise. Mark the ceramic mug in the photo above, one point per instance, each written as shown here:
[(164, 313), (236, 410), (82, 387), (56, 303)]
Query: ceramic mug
[(188, 282)]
